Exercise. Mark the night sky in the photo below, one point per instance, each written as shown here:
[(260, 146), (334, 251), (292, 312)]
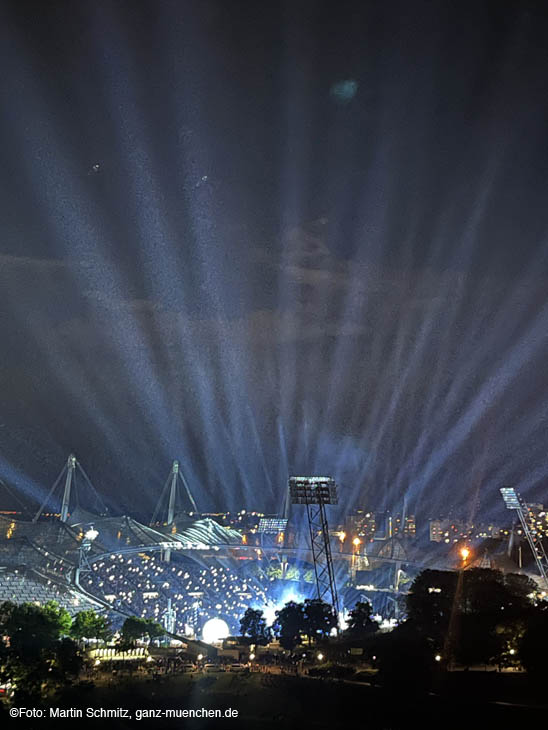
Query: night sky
[(276, 238)]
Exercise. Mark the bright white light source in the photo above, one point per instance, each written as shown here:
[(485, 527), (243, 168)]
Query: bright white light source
[(215, 630)]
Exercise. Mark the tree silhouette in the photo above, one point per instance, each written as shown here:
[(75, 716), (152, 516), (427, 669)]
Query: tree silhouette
[(253, 627), (318, 619), (290, 624), (360, 623)]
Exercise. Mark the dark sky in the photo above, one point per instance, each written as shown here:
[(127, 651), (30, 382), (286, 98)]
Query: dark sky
[(214, 249)]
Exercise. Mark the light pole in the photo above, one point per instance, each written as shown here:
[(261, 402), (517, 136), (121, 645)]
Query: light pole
[(464, 554), (90, 535)]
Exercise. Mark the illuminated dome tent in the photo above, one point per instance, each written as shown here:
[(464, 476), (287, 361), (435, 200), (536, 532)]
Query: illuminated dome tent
[(215, 630)]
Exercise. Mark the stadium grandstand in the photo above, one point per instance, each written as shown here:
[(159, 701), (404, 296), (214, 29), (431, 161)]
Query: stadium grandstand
[(123, 570)]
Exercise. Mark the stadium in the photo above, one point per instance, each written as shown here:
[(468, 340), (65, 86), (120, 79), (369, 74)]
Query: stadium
[(181, 572), (184, 568), (124, 570)]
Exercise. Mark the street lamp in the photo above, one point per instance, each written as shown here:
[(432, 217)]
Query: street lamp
[(464, 554)]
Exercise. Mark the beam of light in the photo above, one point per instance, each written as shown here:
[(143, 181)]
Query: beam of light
[(493, 388), (159, 257), (19, 479), (40, 151), (429, 330), (74, 221), (212, 370)]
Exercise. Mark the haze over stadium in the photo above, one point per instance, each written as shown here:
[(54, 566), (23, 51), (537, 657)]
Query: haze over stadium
[(274, 240)]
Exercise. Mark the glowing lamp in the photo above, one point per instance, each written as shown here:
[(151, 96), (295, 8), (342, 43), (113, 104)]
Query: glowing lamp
[(91, 534), (215, 630)]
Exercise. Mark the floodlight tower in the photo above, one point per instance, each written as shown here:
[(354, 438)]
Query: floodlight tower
[(316, 493), (513, 501)]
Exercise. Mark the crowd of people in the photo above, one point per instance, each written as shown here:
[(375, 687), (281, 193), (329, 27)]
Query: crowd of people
[(142, 584)]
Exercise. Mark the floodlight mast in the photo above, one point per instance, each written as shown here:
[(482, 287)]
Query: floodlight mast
[(513, 501), (316, 493)]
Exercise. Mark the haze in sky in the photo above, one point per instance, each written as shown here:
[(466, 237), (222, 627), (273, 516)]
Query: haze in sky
[(275, 238)]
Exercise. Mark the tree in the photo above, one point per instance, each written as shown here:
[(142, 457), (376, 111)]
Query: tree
[(88, 625), (477, 641), (290, 624), (60, 615), (469, 612), (406, 659), (431, 600), (319, 619), (154, 630), (533, 647), (253, 626), (32, 629), (35, 658), (360, 623), (135, 628), (67, 661)]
